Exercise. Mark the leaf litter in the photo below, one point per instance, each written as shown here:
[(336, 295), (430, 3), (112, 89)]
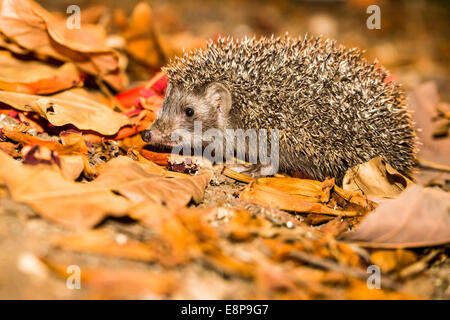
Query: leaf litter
[(150, 225)]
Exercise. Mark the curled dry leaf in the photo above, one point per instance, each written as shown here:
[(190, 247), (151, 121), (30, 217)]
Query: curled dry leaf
[(237, 175), (73, 145), (122, 185), (376, 178), (272, 197), (420, 217), (68, 108), (157, 157), (300, 195), (71, 155), (149, 96), (27, 24), (140, 182), (311, 190), (137, 124), (34, 77), (70, 166)]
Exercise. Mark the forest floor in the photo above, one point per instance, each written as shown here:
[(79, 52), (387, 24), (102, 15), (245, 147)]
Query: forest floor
[(232, 263)]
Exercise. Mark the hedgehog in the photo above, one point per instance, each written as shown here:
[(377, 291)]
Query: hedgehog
[(332, 109)]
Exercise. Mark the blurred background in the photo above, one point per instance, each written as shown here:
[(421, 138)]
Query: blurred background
[(413, 42)]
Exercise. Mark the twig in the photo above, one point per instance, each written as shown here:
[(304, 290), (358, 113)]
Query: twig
[(418, 266), (432, 165)]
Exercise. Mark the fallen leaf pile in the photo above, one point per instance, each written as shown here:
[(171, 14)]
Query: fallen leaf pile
[(150, 225)]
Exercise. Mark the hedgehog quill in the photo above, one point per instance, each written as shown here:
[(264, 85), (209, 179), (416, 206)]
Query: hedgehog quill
[(332, 109)]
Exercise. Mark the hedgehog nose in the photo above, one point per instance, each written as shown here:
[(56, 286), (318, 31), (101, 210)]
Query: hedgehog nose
[(146, 135)]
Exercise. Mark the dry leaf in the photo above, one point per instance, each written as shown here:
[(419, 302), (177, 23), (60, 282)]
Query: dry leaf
[(420, 217), (32, 27), (271, 197), (35, 77), (68, 108), (122, 184), (67, 148), (71, 156), (12, 46), (159, 158), (310, 190), (72, 166), (72, 204), (375, 178)]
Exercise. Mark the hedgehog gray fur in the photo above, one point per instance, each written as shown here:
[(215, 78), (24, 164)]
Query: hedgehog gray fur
[(332, 108)]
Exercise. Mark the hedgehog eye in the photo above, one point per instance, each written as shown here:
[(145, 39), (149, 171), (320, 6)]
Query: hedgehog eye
[(189, 112)]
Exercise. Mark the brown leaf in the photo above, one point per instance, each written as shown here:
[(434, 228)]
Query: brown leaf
[(122, 185), (35, 77), (375, 178), (71, 156), (419, 217), (72, 204), (68, 108), (35, 29), (68, 148), (11, 46), (72, 166), (272, 197), (310, 190)]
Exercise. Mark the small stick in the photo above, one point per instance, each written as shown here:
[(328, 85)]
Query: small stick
[(432, 165)]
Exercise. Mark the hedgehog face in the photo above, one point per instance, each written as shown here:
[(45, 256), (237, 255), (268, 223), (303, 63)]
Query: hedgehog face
[(189, 113)]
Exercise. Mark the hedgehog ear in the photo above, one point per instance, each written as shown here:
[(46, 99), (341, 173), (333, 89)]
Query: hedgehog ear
[(219, 95)]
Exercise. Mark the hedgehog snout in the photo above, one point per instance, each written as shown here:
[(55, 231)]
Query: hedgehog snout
[(146, 135)]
